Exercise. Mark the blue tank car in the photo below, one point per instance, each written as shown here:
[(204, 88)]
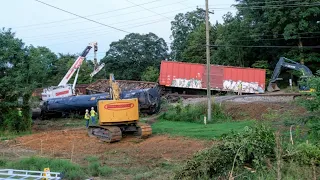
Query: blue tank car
[(149, 102)]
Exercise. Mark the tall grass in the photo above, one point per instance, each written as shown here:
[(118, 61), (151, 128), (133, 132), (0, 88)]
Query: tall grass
[(68, 169), (194, 113)]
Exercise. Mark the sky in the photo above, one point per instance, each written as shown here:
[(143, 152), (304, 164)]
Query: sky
[(41, 25)]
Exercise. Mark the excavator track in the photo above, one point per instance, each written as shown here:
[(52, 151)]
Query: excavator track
[(105, 133), (143, 130)]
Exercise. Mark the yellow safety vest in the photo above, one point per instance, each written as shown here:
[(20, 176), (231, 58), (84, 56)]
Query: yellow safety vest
[(87, 116), (20, 113), (93, 113)]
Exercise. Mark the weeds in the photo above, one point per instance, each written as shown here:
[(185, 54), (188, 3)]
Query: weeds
[(255, 149), (67, 168), (194, 113)]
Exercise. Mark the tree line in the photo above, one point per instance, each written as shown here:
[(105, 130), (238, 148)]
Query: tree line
[(256, 36)]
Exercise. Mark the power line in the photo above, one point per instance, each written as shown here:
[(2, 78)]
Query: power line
[(147, 9), (312, 47), (95, 32), (269, 6), (114, 16), (107, 33), (106, 12), (73, 32), (82, 17)]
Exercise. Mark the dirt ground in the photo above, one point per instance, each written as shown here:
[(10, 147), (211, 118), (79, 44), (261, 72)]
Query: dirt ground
[(256, 110), (63, 143)]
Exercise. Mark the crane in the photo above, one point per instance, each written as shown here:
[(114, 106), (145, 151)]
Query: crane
[(118, 116), (288, 63), (64, 89)]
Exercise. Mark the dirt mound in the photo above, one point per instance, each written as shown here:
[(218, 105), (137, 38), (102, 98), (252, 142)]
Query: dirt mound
[(255, 110), (63, 143)]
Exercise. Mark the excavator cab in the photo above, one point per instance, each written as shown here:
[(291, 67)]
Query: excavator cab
[(290, 64), (117, 117)]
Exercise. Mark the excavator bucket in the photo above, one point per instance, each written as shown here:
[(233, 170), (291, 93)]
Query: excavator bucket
[(273, 87)]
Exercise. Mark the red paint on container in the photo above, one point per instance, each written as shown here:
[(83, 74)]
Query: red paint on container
[(222, 78), (171, 71)]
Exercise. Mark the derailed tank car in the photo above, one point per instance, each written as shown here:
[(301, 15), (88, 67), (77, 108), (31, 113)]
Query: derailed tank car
[(149, 102)]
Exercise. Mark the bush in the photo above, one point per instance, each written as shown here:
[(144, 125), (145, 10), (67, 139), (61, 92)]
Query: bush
[(193, 113), (252, 147)]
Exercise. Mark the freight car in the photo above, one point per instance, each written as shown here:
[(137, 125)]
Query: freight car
[(190, 78), (149, 102)]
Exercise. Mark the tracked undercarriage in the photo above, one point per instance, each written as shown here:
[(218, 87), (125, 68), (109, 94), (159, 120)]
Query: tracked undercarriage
[(113, 133)]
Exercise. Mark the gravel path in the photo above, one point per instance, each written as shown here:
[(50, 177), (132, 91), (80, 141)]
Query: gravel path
[(240, 99)]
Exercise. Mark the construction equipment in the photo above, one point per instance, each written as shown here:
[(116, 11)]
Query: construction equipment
[(288, 63), (118, 116), (64, 89)]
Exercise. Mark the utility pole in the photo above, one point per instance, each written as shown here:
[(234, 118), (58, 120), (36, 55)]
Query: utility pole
[(208, 61)]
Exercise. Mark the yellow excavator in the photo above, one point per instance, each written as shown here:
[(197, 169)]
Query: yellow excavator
[(117, 117)]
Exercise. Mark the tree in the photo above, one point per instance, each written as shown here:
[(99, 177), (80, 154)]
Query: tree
[(15, 83), (128, 58), (181, 27), (41, 62), (195, 50), (151, 74), (283, 23)]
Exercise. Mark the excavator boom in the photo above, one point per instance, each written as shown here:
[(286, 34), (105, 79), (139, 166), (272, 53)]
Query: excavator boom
[(290, 64)]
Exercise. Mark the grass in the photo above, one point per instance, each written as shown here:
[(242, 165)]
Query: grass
[(11, 135), (196, 130), (68, 169)]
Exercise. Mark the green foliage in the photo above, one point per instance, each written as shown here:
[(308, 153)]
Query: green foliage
[(306, 154), (195, 51), (96, 169), (181, 27), (312, 103), (194, 113), (70, 170), (128, 58), (16, 82), (151, 74), (253, 147), (197, 130)]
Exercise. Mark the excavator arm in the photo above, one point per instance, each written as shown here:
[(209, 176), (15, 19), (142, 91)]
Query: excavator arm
[(115, 91), (290, 64)]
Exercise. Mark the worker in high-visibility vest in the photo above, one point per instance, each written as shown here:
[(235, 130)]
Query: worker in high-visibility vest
[(93, 115), (19, 112), (240, 88), (87, 118)]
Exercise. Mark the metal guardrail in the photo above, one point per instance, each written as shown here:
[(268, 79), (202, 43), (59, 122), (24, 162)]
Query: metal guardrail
[(14, 174)]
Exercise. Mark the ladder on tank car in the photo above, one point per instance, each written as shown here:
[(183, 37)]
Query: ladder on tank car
[(13, 174)]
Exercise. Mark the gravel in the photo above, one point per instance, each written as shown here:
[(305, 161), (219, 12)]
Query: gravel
[(240, 99)]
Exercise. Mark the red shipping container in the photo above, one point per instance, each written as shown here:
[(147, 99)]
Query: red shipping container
[(222, 78)]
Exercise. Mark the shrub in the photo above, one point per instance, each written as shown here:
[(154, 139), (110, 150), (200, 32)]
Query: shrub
[(252, 147), (193, 113)]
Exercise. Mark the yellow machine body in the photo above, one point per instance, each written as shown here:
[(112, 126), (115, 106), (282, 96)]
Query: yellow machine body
[(118, 116), (117, 111)]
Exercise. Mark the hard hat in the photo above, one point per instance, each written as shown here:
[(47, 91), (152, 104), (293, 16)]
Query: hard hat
[(87, 110), (92, 108)]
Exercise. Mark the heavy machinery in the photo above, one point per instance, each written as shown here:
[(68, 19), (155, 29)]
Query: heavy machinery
[(288, 63), (118, 116), (64, 89)]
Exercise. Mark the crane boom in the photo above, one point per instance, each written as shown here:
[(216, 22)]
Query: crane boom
[(77, 64), (287, 63)]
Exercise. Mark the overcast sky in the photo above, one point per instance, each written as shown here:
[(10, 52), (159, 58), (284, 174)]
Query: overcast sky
[(41, 25)]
